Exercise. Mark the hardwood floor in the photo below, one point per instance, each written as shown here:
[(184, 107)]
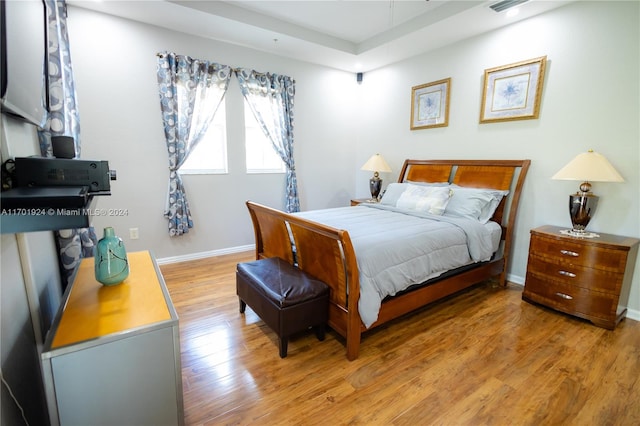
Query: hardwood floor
[(483, 357)]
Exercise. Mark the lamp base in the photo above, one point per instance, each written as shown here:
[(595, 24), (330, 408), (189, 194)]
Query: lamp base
[(582, 207), (375, 185)]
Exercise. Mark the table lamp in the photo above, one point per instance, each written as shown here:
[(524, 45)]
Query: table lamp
[(375, 164), (588, 166)]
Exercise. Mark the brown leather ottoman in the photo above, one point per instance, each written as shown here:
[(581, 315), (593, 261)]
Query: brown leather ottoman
[(286, 298)]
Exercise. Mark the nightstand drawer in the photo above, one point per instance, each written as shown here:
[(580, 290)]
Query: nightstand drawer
[(570, 299), (575, 253), (574, 275)]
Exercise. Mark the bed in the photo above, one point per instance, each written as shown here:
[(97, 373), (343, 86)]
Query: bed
[(444, 226)]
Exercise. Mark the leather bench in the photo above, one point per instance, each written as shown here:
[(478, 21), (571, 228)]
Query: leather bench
[(286, 298)]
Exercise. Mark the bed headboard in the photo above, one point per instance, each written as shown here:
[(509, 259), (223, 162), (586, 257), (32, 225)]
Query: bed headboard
[(495, 174)]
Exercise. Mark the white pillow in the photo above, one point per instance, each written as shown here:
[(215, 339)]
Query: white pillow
[(394, 190), (474, 203), (428, 199), (392, 193)]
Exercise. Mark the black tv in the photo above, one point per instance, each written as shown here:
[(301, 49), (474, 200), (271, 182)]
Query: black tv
[(23, 50)]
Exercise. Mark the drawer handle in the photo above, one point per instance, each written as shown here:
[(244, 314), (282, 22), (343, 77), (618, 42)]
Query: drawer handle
[(569, 253), (567, 274), (564, 296)]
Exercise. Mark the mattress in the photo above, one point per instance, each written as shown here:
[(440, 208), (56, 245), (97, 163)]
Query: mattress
[(398, 248)]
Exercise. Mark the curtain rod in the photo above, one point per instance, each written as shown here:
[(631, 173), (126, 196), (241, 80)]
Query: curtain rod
[(254, 71), (236, 69)]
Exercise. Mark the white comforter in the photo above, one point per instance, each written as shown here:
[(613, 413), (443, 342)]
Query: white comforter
[(398, 248)]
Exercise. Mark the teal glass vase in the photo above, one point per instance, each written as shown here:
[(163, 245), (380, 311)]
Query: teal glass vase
[(111, 263)]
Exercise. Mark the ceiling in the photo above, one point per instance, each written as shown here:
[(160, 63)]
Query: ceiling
[(350, 35)]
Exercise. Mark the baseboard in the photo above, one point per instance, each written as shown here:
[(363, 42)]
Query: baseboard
[(633, 314), (204, 254), (515, 279)]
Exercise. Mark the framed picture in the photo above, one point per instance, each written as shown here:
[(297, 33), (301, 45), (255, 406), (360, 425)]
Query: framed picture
[(512, 92), (430, 104)]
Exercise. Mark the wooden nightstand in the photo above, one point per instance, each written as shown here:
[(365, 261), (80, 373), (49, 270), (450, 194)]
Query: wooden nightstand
[(356, 201), (586, 277)]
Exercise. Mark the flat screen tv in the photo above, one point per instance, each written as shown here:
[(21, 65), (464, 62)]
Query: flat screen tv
[(22, 27)]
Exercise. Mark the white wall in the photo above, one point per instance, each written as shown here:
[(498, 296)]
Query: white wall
[(590, 100), (30, 290), (114, 64)]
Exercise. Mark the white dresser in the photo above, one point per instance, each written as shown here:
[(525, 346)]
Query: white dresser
[(112, 356)]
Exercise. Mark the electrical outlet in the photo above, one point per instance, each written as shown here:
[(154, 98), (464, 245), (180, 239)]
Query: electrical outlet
[(133, 233)]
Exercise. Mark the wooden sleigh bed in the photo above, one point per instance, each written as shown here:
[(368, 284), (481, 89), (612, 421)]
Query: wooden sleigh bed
[(327, 252)]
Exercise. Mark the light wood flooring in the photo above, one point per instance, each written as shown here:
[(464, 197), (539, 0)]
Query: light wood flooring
[(483, 357)]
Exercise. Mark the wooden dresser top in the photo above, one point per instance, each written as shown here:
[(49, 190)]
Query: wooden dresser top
[(603, 240), (93, 310)]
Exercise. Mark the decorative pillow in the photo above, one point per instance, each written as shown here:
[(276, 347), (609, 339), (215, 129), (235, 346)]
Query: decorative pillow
[(428, 199), (474, 203), (392, 193)]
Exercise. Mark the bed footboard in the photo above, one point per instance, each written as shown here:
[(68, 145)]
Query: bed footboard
[(323, 252)]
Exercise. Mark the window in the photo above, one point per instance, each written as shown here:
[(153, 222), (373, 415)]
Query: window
[(261, 156), (210, 155)]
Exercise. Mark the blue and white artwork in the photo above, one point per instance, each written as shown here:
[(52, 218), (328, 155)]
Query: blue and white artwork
[(513, 92), (430, 104)]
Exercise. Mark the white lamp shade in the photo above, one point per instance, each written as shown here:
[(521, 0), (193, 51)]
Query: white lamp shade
[(376, 164), (589, 166)]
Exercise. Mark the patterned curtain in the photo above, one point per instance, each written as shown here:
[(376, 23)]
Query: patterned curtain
[(63, 120), (190, 92), (270, 97)]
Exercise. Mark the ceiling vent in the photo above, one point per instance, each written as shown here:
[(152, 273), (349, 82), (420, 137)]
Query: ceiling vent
[(506, 4)]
